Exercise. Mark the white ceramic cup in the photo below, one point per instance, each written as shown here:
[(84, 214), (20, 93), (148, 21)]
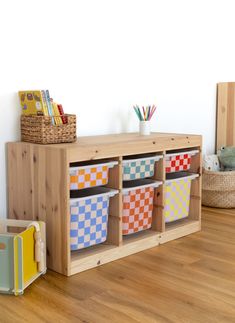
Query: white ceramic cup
[(144, 128)]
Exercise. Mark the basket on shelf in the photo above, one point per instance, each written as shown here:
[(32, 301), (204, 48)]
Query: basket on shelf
[(40, 130), (218, 189)]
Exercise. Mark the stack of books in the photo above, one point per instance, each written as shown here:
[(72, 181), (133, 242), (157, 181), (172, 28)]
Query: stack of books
[(41, 104)]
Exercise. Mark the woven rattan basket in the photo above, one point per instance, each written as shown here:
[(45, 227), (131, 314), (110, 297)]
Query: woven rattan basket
[(218, 189), (40, 130)]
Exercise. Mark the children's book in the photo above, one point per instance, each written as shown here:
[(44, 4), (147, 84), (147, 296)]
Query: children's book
[(44, 101), (61, 111), (57, 117), (31, 102), (49, 106), (39, 103)]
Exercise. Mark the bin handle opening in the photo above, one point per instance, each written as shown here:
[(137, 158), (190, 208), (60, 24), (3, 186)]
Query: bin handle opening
[(128, 189), (191, 177), (110, 193), (129, 161), (109, 164), (190, 152)]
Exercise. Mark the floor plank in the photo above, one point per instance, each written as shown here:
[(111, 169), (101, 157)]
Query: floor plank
[(189, 280)]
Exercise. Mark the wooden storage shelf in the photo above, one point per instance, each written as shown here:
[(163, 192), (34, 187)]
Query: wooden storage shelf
[(38, 189)]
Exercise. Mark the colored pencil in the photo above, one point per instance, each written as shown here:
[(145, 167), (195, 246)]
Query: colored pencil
[(143, 112), (137, 112), (147, 112), (152, 112), (140, 115)]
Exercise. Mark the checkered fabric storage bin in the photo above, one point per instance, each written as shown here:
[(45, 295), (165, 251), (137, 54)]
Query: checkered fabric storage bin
[(89, 219), (177, 198), (139, 168), (90, 175), (180, 161), (138, 208)]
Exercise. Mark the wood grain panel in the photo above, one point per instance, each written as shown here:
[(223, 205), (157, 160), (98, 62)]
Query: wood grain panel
[(225, 119), (38, 190), (158, 222), (57, 210), (89, 148), (196, 189), (20, 197), (115, 205)]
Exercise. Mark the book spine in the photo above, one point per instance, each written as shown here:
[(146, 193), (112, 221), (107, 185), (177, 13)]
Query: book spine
[(57, 118), (44, 103), (58, 114), (53, 109), (61, 111), (49, 106)]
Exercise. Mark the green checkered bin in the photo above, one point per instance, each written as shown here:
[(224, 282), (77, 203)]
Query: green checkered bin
[(139, 168)]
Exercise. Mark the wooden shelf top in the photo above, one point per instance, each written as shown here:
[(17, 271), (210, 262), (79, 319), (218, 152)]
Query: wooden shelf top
[(105, 146), (125, 138)]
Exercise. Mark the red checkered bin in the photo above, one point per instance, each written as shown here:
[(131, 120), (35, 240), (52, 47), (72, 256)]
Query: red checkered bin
[(179, 161), (138, 205)]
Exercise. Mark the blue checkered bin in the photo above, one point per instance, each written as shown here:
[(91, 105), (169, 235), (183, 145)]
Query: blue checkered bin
[(89, 218), (139, 168)]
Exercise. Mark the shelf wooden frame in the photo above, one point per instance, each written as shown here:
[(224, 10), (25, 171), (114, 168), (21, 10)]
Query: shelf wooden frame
[(38, 189)]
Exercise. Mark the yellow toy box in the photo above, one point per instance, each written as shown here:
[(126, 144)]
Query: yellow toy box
[(22, 255)]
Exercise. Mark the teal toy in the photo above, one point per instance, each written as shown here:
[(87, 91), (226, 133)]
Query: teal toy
[(227, 158)]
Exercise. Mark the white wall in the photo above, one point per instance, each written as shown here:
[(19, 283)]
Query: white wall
[(99, 57)]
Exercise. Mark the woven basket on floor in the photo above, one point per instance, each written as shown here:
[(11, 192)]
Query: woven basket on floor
[(218, 189), (40, 130)]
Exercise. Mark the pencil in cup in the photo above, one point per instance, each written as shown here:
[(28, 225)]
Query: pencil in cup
[(146, 114)]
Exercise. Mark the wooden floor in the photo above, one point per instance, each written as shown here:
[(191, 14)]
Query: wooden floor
[(188, 280)]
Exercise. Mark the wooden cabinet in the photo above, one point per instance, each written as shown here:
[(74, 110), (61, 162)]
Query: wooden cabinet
[(38, 189)]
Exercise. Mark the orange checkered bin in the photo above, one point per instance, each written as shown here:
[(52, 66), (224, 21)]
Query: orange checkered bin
[(138, 207), (90, 175)]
